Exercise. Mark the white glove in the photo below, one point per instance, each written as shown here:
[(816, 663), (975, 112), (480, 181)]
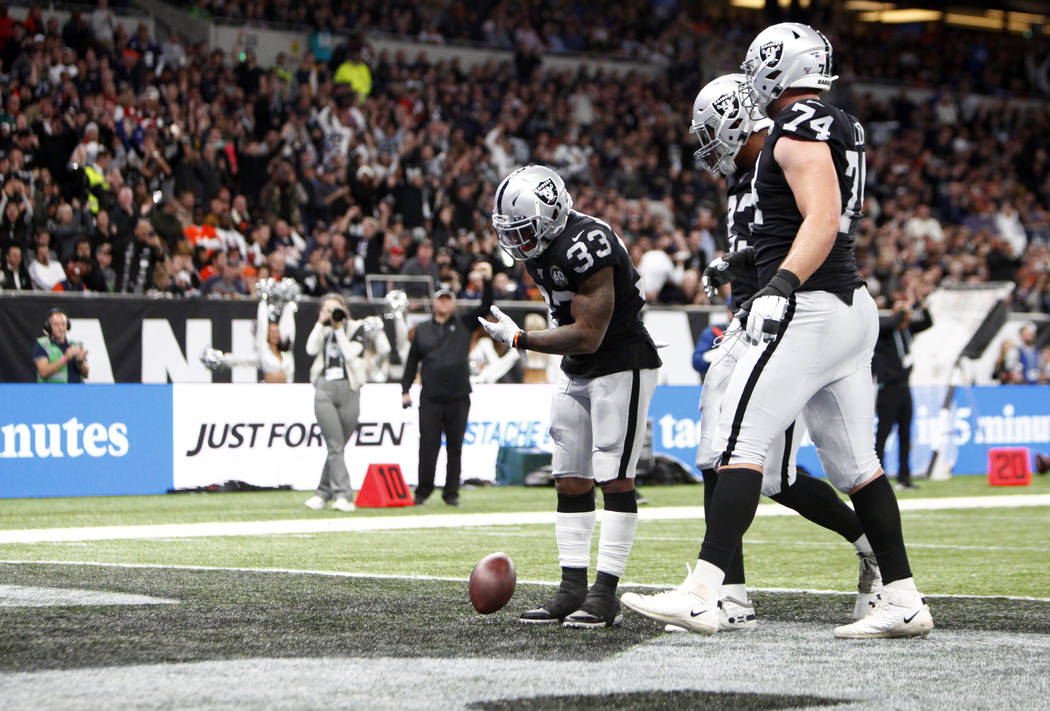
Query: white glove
[(504, 330), (764, 314), (765, 310)]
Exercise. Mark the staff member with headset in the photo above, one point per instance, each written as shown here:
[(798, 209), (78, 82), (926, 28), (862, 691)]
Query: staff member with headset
[(338, 372), (442, 346), (57, 360)]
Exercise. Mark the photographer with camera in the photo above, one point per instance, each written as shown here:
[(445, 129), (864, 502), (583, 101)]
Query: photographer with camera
[(57, 359), (337, 343)]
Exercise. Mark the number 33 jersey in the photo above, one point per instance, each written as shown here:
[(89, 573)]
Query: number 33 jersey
[(777, 219), (581, 250)]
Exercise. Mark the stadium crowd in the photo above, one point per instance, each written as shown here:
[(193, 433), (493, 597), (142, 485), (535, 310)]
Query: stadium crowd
[(139, 164)]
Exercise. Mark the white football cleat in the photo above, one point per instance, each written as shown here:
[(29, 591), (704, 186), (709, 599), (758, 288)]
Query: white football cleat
[(736, 616), (316, 503), (898, 613), (342, 504), (869, 585), (692, 605), (733, 616)]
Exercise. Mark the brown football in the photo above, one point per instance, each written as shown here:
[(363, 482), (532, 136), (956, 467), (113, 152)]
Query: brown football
[(492, 583)]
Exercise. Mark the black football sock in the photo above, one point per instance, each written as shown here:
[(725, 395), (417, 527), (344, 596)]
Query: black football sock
[(605, 582), (880, 516), (735, 571), (817, 501), (731, 511), (573, 578)]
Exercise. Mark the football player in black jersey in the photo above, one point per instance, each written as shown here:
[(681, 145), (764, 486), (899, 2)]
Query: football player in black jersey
[(730, 141), (610, 366), (812, 331)]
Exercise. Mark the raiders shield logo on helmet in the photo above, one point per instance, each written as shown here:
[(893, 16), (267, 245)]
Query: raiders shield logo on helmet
[(770, 53), (558, 278), (547, 191), (727, 104)]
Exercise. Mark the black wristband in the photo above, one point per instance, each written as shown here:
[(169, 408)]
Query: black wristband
[(784, 283), (522, 341)]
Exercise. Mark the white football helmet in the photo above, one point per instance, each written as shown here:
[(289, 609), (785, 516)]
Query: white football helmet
[(789, 55), (530, 209), (722, 124)]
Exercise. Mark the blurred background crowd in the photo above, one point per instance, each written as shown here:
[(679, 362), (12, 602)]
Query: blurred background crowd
[(143, 164)]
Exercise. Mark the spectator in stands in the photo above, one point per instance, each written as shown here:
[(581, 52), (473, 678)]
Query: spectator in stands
[(15, 274), (661, 268), (140, 259), (354, 72), (421, 265), (74, 280), (227, 283), (103, 25), (283, 197), (102, 277), (44, 271), (70, 225)]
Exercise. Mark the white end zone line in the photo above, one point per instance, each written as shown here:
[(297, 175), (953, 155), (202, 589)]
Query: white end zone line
[(351, 523)]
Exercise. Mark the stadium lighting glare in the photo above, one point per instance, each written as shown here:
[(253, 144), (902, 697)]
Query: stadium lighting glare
[(760, 4), (900, 16), (1018, 22), (868, 6)]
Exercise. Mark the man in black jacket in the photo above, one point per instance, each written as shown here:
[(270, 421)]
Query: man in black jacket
[(892, 367), (442, 346)]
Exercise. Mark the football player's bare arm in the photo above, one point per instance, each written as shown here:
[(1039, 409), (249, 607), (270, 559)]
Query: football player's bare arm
[(810, 172), (592, 308)]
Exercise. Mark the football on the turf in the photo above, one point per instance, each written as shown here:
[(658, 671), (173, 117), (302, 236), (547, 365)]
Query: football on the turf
[(492, 583)]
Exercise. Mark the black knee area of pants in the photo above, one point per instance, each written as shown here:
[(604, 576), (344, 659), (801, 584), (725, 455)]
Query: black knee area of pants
[(576, 503), (731, 511), (817, 501), (879, 514), (622, 501)]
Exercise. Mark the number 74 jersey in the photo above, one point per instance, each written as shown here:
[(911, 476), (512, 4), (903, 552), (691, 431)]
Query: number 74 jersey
[(777, 218), (585, 247)]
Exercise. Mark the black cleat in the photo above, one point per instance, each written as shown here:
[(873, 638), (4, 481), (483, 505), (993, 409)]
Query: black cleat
[(555, 610), (599, 609)]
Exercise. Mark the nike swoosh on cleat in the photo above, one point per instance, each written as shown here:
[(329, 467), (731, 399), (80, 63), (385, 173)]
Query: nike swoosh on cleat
[(909, 619), (696, 614)]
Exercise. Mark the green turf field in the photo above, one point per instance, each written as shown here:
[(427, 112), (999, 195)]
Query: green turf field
[(380, 618)]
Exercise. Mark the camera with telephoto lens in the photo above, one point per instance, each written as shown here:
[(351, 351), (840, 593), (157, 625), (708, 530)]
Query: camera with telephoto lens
[(338, 315)]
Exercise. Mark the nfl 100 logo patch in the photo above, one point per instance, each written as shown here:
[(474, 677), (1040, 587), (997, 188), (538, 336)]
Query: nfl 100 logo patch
[(547, 191)]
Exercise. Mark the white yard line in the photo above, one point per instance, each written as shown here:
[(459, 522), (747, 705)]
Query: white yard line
[(389, 576), (351, 523)]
